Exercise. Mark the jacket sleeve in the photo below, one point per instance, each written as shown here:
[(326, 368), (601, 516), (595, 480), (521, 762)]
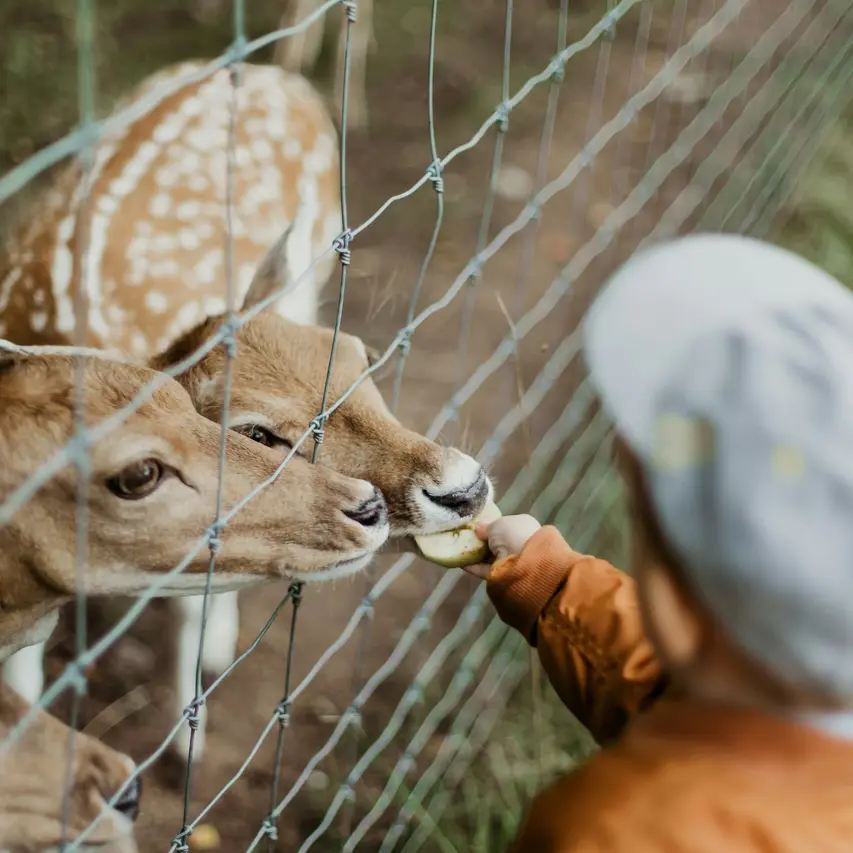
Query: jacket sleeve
[(583, 617)]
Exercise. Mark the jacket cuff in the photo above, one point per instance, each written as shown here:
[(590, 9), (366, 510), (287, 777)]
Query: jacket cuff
[(521, 585)]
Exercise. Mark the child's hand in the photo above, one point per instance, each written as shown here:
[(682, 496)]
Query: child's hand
[(507, 535)]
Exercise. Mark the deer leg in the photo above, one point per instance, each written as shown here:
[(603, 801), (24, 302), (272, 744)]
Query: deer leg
[(24, 672), (189, 611), (361, 40), (220, 643), (299, 52)]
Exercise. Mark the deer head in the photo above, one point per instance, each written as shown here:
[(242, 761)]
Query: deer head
[(276, 387), (151, 492), (33, 780)]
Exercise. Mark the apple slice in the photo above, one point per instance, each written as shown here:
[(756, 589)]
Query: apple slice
[(454, 549)]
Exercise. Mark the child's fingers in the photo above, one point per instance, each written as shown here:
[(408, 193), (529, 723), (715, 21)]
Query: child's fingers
[(482, 529), (479, 570)]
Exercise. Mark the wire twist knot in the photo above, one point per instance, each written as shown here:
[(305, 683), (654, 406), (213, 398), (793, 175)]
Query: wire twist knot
[(341, 246), (191, 712), (476, 269), (503, 117), (230, 327), (559, 74), (351, 9), (270, 829), (318, 428), (434, 174), (180, 840), (295, 593), (282, 712), (77, 679), (405, 342), (214, 537)]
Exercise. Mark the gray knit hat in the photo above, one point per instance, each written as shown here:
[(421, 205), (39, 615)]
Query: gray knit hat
[(727, 365)]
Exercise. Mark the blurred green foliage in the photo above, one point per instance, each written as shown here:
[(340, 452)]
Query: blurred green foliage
[(818, 220)]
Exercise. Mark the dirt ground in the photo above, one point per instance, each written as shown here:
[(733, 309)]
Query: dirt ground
[(129, 689)]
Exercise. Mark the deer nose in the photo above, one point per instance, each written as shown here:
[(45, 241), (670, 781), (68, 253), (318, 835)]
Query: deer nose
[(372, 513), (466, 501), (128, 802)]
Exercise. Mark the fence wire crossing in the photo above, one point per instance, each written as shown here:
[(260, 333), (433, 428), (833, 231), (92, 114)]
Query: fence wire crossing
[(727, 159)]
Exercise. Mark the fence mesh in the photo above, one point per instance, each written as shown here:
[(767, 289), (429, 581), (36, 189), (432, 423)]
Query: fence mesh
[(705, 119)]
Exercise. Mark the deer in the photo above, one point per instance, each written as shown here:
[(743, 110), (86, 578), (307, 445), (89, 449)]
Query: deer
[(151, 492), (34, 778), (299, 52), (160, 299)]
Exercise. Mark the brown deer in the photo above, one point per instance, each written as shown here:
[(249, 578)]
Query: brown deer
[(33, 780), (280, 366), (154, 221), (150, 494)]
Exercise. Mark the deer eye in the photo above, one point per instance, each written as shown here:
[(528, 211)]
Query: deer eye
[(137, 480), (262, 435)]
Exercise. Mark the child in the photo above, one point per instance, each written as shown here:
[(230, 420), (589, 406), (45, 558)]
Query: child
[(719, 676)]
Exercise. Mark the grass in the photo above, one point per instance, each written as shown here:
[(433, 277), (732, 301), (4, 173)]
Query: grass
[(818, 221)]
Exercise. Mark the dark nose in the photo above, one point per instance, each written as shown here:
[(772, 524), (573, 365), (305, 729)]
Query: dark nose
[(372, 512), (128, 803), (464, 502)]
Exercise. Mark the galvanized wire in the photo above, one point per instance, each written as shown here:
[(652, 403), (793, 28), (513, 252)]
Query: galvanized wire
[(554, 293), (583, 471), (86, 96)]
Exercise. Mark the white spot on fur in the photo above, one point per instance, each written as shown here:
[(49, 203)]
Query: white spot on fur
[(206, 270), (166, 177), (198, 183), (188, 239), (261, 149), (188, 211), (156, 302), (107, 204), (214, 305), (160, 205), (187, 315), (61, 272)]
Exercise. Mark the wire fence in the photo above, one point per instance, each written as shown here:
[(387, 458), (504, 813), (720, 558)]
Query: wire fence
[(725, 159)]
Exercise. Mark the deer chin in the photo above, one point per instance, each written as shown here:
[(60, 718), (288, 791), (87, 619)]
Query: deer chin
[(343, 569)]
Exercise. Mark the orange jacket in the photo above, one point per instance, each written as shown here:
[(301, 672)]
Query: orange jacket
[(685, 777)]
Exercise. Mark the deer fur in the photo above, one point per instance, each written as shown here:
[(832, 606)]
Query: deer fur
[(277, 377), (306, 524), (156, 234), (33, 780), (280, 365)]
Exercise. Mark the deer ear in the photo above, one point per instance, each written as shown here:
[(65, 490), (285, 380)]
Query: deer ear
[(271, 276)]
